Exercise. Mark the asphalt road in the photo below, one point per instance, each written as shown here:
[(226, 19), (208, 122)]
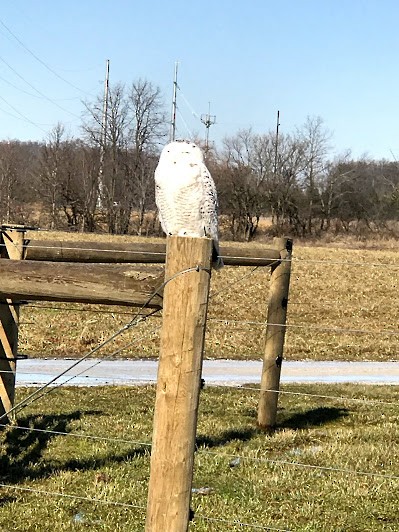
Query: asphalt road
[(92, 372)]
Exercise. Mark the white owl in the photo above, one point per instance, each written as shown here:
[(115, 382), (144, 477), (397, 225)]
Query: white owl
[(185, 194)]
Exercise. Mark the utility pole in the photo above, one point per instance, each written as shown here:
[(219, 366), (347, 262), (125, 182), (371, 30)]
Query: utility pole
[(174, 107), (103, 137), (276, 144), (208, 120)]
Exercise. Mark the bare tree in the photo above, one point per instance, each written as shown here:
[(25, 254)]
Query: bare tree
[(113, 150), (245, 165), (315, 138), (148, 128), (8, 179), (51, 173), (136, 124)]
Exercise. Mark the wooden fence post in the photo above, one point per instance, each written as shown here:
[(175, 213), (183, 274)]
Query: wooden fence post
[(178, 385), (12, 246), (275, 333)]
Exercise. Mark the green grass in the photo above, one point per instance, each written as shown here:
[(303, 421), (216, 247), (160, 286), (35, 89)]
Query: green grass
[(265, 487), (343, 304)]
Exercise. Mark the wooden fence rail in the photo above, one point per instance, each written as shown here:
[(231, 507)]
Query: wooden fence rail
[(115, 284), (66, 271), (143, 252)]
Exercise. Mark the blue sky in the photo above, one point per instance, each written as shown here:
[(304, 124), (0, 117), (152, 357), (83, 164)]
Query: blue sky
[(337, 59)]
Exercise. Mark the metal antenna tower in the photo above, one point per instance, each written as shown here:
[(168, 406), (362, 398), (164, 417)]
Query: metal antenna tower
[(172, 135), (208, 120), (103, 137), (276, 143)]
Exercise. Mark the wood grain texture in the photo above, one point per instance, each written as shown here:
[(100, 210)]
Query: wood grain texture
[(84, 283), (12, 248), (143, 252), (275, 335), (178, 384)]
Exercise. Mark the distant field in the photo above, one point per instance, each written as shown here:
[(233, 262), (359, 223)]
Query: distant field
[(331, 466), (343, 304)]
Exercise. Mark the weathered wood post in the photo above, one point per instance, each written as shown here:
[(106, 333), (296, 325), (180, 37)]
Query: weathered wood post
[(178, 385), (12, 247), (275, 333)]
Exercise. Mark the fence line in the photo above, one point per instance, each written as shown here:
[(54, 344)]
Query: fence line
[(75, 435), (346, 263), (353, 472), (229, 456), (239, 523), (305, 326), (129, 505), (144, 381), (34, 396), (264, 460), (317, 396), (70, 496), (294, 259), (228, 321)]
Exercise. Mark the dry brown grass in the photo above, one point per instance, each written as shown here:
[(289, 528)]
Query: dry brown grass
[(335, 291)]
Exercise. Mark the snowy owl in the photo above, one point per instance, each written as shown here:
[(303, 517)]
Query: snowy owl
[(185, 194)]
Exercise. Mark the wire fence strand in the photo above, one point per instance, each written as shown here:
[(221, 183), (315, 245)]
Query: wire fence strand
[(314, 467), (239, 524), (71, 496), (126, 380)]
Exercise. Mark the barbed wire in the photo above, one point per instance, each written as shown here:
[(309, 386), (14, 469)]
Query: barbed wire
[(35, 395), (234, 283), (375, 402), (301, 465), (240, 524), (345, 263), (76, 435), (245, 387), (41, 391), (70, 496), (305, 326), (293, 259)]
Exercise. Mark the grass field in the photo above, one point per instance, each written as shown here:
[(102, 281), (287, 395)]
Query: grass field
[(78, 458), (331, 466), (343, 305)]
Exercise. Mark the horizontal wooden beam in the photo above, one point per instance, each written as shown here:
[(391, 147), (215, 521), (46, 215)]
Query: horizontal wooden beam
[(83, 283), (143, 252)]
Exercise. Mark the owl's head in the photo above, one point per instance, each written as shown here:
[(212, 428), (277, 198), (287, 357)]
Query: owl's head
[(182, 151)]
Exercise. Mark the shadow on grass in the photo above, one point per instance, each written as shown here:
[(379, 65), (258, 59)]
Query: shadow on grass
[(314, 417), (227, 436), (7, 500), (23, 449)]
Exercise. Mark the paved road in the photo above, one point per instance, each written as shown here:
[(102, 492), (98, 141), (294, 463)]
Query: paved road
[(93, 372)]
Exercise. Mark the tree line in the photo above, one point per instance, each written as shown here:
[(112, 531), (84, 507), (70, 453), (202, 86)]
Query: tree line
[(104, 180)]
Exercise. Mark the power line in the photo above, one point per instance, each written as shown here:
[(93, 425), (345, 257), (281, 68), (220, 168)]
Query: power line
[(40, 60), (25, 118), (34, 95), (37, 90)]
